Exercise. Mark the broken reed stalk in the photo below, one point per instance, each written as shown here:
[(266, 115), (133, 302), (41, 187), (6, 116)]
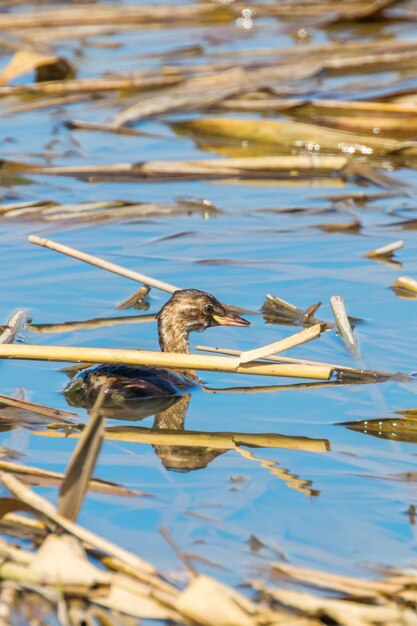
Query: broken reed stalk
[(280, 359), (284, 344), (41, 476), (39, 504), (387, 250), (105, 265), (405, 283), (39, 409), (82, 462), (96, 322), (110, 267), (162, 359), (14, 325), (343, 325), (252, 167)]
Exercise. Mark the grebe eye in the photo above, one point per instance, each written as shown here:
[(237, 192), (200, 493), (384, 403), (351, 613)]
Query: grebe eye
[(208, 309)]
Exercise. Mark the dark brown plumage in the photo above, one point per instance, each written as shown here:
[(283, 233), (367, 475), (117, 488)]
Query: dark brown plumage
[(188, 310)]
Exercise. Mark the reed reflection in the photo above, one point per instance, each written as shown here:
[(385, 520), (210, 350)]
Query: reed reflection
[(179, 449)]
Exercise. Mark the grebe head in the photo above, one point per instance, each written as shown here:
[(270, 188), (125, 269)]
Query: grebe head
[(190, 310)]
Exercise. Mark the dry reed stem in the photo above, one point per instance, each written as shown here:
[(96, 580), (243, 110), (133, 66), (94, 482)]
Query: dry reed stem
[(337, 582), (343, 325), (406, 283), (151, 282), (45, 104), (330, 49), (39, 409), (250, 166), (8, 597), (279, 359), (202, 91), (387, 250), (162, 359), (273, 388), (98, 322), (78, 15), (280, 346), (14, 325), (135, 298), (97, 485), (359, 106), (82, 462), (99, 210), (45, 508), (105, 265), (92, 85)]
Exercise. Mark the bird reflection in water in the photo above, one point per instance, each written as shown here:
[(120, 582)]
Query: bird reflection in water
[(136, 392)]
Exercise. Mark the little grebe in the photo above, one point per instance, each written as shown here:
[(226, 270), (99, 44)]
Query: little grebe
[(186, 311)]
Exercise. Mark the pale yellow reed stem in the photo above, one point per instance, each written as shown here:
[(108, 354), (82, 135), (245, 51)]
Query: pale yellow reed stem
[(105, 265), (287, 359), (162, 359), (279, 346)]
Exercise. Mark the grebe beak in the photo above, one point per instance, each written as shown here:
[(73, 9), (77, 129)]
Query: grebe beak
[(230, 319)]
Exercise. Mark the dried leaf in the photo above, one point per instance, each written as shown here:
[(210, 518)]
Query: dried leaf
[(133, 598), (61, 561), (290, 135), (210, 603)]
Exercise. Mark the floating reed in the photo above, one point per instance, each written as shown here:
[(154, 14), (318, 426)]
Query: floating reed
[(353, 371), (115, 269), (282, 345), (405, 284), (92, 85), (251, 167), (38, 476), (14, 325), (162, 359), (291, 134), (387, 250), (343, 325), (97, 322), (134, 299), (82, 462), (39, 409), (105, 265)]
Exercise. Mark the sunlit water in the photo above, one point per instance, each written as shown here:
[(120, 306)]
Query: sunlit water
[(358, 515)]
